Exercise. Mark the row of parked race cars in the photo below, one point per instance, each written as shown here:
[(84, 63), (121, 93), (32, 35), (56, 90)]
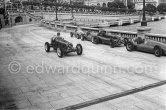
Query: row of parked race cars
[(103, 36)]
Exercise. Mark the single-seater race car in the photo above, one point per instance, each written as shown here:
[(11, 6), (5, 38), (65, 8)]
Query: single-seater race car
[(78, 33), (106, 37), (158, 48), (63, 47)]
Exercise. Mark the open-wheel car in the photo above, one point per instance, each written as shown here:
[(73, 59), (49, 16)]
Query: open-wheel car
[(106, 37), (158, 48), (63, 47), (78, 33)]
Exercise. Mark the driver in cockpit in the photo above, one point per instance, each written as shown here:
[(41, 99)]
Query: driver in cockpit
[(56, 36)]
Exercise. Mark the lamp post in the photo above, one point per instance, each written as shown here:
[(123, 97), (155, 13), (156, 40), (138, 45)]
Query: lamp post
[(71, 10), (144, 22), (56, 10), (41, 10)]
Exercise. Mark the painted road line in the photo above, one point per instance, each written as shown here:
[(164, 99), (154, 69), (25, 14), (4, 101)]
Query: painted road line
[(114, 96)]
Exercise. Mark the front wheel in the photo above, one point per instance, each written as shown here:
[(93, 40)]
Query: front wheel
[(59, 52), (129, 46), (79, 49), (77, 36), (157, 51), (47, 47)]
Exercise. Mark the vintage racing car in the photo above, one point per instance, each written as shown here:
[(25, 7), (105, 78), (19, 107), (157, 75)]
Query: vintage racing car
[(78, 33), (89, 33), (147, 45), (106, 37), (63, 47)]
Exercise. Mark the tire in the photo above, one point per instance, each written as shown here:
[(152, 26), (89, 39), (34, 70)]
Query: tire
[(125, 42), (59, 52), (79, 49), (112, 45), (82, 37), (78, 36), (95, 40), (47, 47), (130, 46), (157, 51), (71, 34)]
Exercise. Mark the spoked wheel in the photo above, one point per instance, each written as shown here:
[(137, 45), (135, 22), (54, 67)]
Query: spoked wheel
[(59, 52), (112, 44), (82, 37), (71, 34), (77, 36), (79, 49), (95, 40), (157, 51), (125, 42), (129, 46), (47, 47)]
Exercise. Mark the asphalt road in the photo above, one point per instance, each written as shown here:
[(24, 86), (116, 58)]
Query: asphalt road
[(34, 79)]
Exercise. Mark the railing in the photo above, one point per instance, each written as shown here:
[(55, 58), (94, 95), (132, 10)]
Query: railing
[(156, 37), (123, 34)]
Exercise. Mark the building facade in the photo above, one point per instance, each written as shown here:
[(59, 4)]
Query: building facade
[(161, 1), (97, 2), (139, 3)]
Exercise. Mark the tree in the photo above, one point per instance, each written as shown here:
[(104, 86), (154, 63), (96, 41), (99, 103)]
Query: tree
[(116, 4), (161, 7), (151, 9), (130, 5)]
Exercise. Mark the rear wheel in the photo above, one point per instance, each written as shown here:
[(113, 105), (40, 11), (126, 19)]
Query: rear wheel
[(112, 44), (79, 49), (95, 40), (82, 37), (157, 51), (130, 46), (125, 42), (71, 34), (47, 47), (59, 52)]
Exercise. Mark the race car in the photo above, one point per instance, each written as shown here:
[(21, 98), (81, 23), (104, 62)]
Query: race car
[(78, 33), (158, 48), (106, 37), (63, 47)]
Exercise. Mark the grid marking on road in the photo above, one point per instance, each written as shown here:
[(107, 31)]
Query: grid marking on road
[(113, 96)]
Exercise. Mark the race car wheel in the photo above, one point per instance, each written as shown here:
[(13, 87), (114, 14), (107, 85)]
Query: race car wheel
[(47, 47), (82, 37), (129, 46), (77, 36), (79, 49), (112, 44), (157, 51), (59, 52), (71, 34), (125, 42), (95, 40)]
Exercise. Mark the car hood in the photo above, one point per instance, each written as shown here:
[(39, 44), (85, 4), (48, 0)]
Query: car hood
[(65, 42)]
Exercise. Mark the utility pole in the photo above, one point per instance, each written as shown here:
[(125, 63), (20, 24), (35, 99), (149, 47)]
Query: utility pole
[(144, 22)]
